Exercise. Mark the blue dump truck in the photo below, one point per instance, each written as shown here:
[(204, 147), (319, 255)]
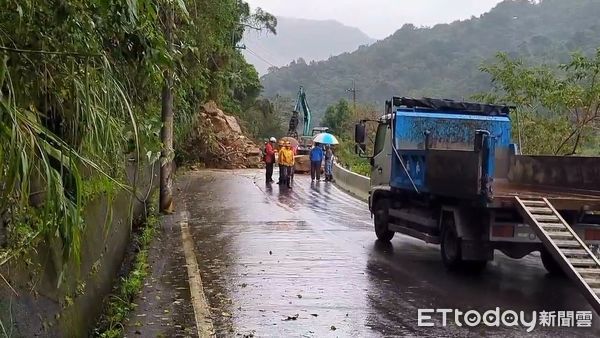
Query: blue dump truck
[(448, 173)]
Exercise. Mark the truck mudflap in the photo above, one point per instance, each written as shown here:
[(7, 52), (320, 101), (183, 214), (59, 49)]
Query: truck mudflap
[(476, 250)]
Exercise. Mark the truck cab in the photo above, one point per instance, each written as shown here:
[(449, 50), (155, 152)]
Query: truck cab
[(448, 173)]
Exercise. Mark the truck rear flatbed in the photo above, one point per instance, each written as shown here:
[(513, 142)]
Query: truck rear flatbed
[(562, 198)]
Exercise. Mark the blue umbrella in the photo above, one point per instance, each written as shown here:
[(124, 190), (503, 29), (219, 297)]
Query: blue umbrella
[(325, 138)]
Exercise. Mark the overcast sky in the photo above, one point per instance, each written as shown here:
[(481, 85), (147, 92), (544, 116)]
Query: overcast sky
[(378, 18)]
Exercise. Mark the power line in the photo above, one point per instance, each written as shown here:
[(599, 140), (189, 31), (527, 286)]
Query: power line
[(258, 48), (260, 57)]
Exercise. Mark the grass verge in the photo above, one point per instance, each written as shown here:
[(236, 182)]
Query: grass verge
[(348, 158), (120, 302)]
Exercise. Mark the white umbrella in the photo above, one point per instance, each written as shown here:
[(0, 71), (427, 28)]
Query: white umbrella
[(325, 138)]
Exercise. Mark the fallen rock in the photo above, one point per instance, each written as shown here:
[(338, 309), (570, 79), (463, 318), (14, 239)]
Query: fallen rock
[(217, 140)]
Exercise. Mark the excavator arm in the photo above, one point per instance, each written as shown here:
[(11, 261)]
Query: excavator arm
[(301, 105)]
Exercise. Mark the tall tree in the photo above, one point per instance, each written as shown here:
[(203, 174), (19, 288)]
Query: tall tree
[(337, 117), (166, 158), (558, 108)]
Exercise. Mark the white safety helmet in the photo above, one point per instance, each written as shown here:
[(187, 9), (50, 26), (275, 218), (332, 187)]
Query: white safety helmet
[(272, 139)]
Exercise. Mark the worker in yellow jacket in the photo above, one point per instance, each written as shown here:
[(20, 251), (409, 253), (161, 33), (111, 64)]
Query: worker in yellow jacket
[(286, 161)]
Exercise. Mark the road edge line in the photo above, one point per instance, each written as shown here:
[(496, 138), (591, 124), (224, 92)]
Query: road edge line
[(202, 315)]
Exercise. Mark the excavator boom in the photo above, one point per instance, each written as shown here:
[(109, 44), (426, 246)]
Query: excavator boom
[(301, 106)]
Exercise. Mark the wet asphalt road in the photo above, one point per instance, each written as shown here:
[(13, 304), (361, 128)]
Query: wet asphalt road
[(267, 253)]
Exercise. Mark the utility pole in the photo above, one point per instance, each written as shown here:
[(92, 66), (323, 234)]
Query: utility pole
[(166, 133), (353, 91)]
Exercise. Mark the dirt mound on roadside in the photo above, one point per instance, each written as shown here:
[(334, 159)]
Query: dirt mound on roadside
[(218, 141)]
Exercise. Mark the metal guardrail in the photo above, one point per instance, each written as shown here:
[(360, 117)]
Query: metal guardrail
[(353, 183)]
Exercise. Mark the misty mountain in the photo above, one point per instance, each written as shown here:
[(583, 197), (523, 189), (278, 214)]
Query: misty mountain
[(300, 38), (444, 60)]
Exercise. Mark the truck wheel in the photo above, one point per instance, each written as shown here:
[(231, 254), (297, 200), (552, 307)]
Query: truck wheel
[(381, 220), (550, 264), (451, 247)]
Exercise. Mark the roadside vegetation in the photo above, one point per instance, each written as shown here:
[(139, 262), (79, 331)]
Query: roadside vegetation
[(340, 118), (80, 92)]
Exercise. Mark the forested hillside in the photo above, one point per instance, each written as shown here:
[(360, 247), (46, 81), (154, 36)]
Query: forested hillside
[(300, 38), (444, 60)]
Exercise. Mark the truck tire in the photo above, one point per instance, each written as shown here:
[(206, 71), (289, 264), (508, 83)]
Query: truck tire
[(451, 251), (450, 247), (381, 220), (550, 264)]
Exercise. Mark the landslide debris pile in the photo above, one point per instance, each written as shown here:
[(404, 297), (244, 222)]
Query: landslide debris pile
[(217, 141)]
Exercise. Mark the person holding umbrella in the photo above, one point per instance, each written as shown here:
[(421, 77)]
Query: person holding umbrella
[(328, 140), (316, 158)]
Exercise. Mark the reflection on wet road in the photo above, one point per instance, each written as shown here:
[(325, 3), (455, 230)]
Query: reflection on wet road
[(304, 262)]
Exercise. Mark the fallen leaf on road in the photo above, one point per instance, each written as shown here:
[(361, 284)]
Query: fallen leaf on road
[(314, 315), (244, 285), (333, 328), (226, 314), (299, 296), (294, 317)]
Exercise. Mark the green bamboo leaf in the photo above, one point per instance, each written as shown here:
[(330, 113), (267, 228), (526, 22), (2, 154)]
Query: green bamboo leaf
[(182, 7), (3, 69)]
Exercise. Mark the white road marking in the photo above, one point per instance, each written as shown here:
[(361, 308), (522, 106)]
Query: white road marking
[(204, 322)]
